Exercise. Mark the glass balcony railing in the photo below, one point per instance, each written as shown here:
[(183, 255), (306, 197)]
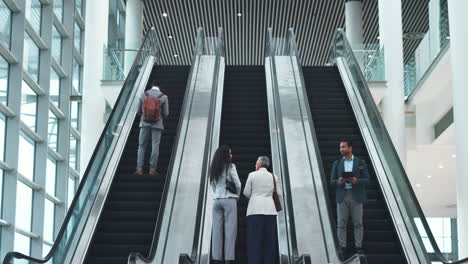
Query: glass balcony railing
[(432, 46), (116, 63)]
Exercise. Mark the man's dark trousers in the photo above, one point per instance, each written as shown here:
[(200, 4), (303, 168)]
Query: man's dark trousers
[(262, 241)]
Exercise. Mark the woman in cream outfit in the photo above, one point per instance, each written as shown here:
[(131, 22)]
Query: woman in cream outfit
[(262, 245), (224, 205)]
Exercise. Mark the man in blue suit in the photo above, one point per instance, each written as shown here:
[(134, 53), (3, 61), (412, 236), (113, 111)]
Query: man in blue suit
[(350, 193)]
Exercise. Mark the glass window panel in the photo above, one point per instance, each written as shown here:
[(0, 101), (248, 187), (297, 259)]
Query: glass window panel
[(79, 6), (54, 90), (77, 37), (75, 114), (5, 24), (23, 206), (56, 45), (51, 176), (53, 131), (73, 152), (28, 106), (31, 57), (22, 244), (71, 190), (33, 14), (45, 250), (26, 156), (58, 9), (49, 209), (4, 69), (2, 136), (76, 75)]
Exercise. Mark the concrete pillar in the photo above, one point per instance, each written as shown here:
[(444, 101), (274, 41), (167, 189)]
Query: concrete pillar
[(354, 28), (133, 30), (458, 20), (391, 38)]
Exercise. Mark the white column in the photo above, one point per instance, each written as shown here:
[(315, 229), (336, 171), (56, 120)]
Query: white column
[(354, 28), (458, 21), (94, 102), (133, 30), (391, 37)]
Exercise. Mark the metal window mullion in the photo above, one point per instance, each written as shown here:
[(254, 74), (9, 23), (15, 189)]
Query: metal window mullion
[(13, 129), (63, 138), (40, 168)]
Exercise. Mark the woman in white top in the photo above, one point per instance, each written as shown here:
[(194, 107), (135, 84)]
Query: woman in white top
[(225, 205), (262, 245)]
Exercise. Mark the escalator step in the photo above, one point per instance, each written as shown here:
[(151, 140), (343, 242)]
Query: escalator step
[(333, 119), (128, 220)]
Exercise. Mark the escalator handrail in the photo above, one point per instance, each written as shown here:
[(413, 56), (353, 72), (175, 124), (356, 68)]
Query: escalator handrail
[(340, 33), (183, 257), (270, 49), (152, 252), (293, 45), (71, 210)]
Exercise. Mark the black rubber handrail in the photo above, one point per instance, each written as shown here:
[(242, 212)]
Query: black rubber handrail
[(152, 253), (17, 255), (440, 257)]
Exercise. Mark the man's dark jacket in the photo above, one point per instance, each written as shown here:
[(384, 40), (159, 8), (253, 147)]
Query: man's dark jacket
[(360, 171)]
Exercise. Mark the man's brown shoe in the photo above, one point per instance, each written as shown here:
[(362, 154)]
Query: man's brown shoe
[(153, 172), (139, 172)]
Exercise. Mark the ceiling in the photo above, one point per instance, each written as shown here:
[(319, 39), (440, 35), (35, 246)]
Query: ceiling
[(314, 22)]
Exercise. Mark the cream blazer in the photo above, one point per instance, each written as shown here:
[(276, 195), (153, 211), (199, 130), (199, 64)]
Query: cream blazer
[(259, 189)]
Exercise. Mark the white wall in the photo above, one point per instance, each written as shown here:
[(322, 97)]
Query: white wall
[(431, 166), (94, 103)]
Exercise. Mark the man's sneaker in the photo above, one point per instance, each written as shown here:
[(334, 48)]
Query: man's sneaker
[(153, 172), (139, 172)]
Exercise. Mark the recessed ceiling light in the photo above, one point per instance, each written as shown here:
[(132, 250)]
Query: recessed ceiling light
[(429, 176), (164, 14), (170, 36), (454, 155), (175, 55), (418, 185), (441, 166), (239, 14)]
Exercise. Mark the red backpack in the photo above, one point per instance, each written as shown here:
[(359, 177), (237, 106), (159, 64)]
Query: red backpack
[(152, 108)]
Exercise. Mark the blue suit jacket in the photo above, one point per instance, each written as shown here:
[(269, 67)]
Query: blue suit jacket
[(360, 171)]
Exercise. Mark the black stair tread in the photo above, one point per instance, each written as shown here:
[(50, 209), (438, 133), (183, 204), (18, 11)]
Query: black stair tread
[(127, 222), (245, 127), (333, 119)]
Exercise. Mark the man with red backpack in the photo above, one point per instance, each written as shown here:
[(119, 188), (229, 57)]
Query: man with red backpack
[(153, 108)]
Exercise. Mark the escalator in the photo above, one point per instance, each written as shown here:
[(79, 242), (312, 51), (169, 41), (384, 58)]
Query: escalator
[(334, 118), (245, 127), (128, 219)]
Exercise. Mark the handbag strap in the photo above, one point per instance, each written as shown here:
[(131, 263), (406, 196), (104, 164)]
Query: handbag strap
[(274, 181)]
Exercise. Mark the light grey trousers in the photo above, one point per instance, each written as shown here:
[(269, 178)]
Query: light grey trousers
[(224, 219), (344, 209), (143, 140)]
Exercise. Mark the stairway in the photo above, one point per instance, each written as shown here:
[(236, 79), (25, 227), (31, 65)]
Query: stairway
[(129, 215), (245, 127), (334, 118)]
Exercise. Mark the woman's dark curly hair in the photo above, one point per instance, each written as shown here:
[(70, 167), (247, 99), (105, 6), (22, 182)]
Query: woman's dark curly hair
[(221, 162)]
